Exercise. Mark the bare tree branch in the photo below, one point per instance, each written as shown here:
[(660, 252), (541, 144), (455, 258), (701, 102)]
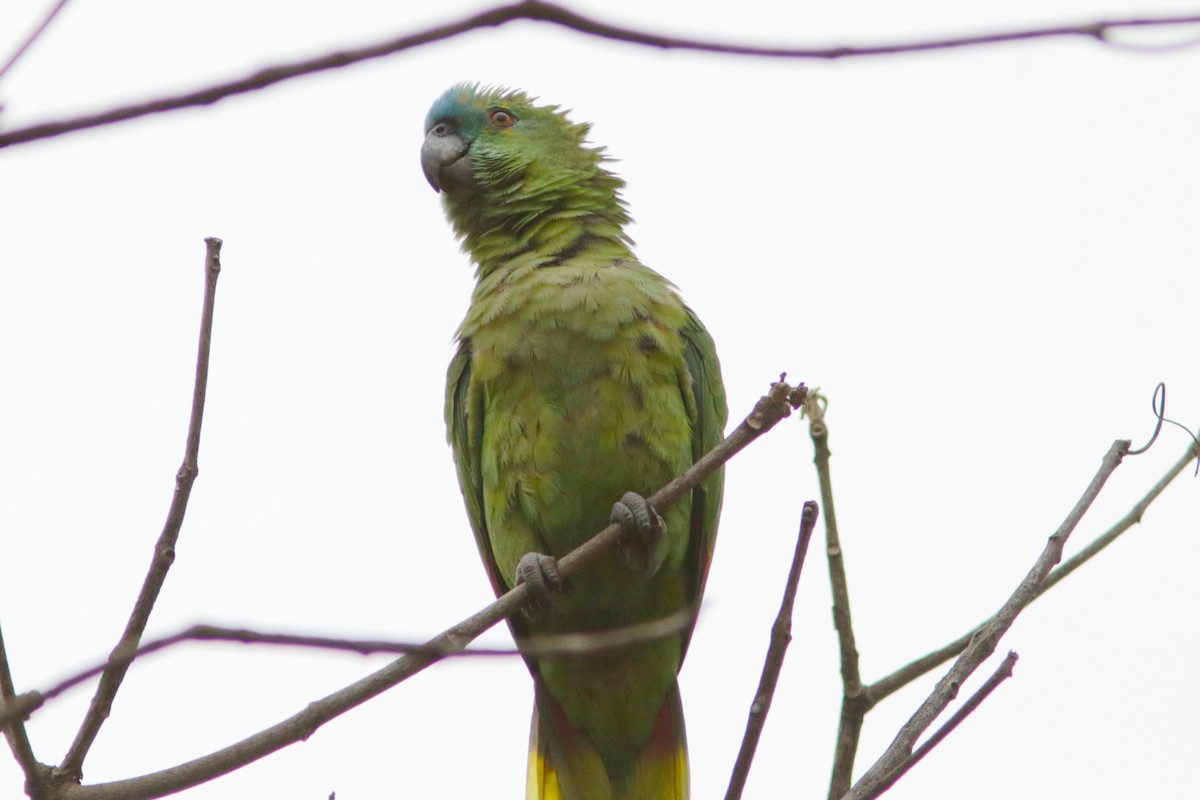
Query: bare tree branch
[(855, 701), (547, 12), (1002, 673), (983, 644), (781, 636), (164, 549), (910, 672), (33, 37), (770, 409), (14, 728)]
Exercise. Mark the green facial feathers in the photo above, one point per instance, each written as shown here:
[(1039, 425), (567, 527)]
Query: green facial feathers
[(532, 181)]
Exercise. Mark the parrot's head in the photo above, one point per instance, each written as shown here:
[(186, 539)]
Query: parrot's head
[(502, 161), (479, 138)]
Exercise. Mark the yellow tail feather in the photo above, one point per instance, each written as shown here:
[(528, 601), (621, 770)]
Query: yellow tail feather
[(564, 766)]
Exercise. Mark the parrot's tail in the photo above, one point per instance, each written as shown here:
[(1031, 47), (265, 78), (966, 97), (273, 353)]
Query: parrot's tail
[(563, 764)]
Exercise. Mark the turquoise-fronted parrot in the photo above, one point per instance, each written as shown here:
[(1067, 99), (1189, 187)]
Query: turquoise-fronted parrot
[(580, 379)]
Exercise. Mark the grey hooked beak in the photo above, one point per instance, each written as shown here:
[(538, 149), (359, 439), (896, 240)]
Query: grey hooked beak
[(444, 159)]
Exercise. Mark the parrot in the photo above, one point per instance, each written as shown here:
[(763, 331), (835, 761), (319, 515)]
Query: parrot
[(581, 383)]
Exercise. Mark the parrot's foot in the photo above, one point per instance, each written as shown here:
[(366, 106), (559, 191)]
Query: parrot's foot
[(644, 531), (540, 571)]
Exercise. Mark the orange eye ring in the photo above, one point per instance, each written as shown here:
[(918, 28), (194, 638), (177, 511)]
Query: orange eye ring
[(501, 117)]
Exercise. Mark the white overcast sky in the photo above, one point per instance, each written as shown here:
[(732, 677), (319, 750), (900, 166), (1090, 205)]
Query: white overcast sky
[(986, 258)]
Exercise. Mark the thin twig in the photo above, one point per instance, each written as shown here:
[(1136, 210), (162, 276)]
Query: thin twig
[(1002, 673), (557, 15), (770, 409), (14, 729), (781, 636), (33, 37), (855, 701), (984, 643), (164, 549), (542, 645), (910, 672)]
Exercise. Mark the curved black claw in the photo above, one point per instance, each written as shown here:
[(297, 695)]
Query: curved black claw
[(644, 529), (540, 571)]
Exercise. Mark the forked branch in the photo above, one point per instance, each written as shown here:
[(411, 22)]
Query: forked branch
[(984, 642), (999, 676), (858, 699), (911, 671), (777, 404)]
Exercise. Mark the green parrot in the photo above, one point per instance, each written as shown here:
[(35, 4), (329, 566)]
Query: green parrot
[(580, 378)]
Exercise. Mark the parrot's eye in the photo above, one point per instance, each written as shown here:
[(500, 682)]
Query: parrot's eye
[(501, 118)]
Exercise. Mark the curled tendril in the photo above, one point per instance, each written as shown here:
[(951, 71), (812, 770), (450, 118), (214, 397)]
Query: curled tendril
[(1158, 404)]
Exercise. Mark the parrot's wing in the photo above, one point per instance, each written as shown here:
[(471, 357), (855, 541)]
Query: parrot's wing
[(705, 396), (464, 424)]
